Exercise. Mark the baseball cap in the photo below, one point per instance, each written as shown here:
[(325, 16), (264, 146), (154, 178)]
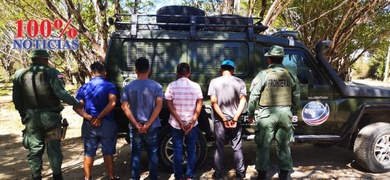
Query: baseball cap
[(227, 63), (39, 53), (275, 50)]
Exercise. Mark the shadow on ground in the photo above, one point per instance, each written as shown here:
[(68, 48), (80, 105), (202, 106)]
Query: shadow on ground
[(310, 162)]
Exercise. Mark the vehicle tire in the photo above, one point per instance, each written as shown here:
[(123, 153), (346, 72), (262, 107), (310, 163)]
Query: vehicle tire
[(229, 19), (165, 150), (372, 147), (186, 11)]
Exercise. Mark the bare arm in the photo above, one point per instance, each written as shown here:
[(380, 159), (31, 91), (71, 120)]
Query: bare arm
[(240, 108), (126, 109), (109, 107), (199, 104), (172, 110), (198, 108), (80, 111), (217, 109), (156, 111)]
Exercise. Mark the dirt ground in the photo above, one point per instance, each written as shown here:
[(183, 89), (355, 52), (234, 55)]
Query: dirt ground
[(310, 162)]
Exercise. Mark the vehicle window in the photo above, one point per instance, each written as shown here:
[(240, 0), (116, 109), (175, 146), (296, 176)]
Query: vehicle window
[(206, 57), (163, 56), (296, 62)]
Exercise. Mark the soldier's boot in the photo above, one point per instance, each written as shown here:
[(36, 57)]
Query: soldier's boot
[(262, 175), (284, 175), (57, 176)]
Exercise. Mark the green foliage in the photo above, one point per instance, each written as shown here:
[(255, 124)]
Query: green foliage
[(353, 27), (211, 7), (72, 89), (361, 69), (377, 65)]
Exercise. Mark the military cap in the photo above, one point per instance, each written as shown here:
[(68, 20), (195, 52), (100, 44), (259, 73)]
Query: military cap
[(39, 53), (276, 51)]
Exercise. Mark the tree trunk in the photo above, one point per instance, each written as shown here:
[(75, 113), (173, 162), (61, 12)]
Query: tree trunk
[(274, 11)]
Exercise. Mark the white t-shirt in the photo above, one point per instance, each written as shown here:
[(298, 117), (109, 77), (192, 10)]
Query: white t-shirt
[(184, 93)]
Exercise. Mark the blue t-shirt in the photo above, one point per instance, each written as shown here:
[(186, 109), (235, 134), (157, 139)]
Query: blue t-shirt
[(141, 95), (95, 96)]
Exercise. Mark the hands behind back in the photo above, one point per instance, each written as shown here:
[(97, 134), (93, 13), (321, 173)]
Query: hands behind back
[(96, 122), (142, 129), (186, 127), (230, 124)]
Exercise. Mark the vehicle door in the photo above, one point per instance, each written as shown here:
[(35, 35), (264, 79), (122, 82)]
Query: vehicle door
[(317, 101)]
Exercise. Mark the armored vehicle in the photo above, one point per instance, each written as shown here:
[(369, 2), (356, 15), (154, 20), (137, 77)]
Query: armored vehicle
[(351, 116)]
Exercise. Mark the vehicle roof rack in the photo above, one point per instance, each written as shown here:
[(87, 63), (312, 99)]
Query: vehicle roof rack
[(191, 23)]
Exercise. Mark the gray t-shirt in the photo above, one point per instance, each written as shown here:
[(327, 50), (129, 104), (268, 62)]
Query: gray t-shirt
[(142, 95), (228, 90)]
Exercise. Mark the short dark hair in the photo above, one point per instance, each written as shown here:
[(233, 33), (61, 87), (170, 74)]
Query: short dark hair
[(142, 65), (98, 67), (183, 69), (276, 59), (227, 67)]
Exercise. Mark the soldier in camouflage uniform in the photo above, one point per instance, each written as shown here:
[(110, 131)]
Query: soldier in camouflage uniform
[(37, 91), (276, 91)]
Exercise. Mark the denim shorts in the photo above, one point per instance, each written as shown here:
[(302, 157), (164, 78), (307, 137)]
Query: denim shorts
[(105, 135)]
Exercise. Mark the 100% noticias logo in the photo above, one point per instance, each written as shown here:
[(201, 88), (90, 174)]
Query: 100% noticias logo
[(45, 29)]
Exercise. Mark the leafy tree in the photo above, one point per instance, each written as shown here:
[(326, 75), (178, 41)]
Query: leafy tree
[(353, 26), (89, 18), (8, 57)]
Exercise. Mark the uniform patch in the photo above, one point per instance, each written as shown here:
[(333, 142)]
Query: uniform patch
[(59, 76), (315, 113)]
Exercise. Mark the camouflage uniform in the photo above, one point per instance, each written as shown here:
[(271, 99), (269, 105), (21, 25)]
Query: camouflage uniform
[(277, 93), (37, 92)]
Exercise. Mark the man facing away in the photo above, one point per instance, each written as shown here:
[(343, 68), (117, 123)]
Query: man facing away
[(142, 101), (228, 98), (184, 101), (99, 127), (37, 91), (276, 91)]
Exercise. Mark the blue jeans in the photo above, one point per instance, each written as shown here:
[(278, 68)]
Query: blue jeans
[(151, 141), (177, 141)]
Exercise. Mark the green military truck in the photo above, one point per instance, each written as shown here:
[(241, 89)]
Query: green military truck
[(351, 116)]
